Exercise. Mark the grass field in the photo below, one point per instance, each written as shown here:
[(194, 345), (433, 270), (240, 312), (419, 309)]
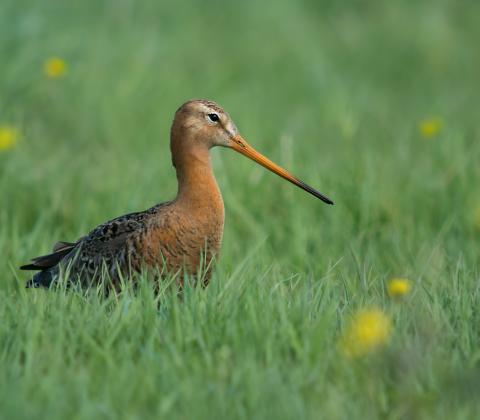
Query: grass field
[(373, 103)]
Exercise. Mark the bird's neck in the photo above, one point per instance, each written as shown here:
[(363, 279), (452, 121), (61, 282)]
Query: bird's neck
[(197, 187)]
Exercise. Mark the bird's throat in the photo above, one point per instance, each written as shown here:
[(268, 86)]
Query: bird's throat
[(197, 187)]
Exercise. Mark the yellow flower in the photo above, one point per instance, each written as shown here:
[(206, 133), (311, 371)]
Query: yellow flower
[(398, 287), (430, 128), (8, 137), (367, 331), (54, 68)]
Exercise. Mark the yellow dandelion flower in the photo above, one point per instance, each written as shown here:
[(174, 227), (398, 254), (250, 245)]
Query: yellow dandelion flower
[(54, 68), (8, 138), (430, 128), (367, 331), (398, 287)]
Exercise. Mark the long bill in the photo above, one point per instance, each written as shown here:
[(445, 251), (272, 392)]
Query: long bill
[(241, 146)]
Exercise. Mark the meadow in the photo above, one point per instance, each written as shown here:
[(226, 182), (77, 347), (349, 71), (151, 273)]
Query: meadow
[(373, 103)]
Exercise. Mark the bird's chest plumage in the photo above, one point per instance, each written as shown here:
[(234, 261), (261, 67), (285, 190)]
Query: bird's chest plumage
[(185, 237)]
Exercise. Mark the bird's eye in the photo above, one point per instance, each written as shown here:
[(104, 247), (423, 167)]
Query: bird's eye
[(213, 117)]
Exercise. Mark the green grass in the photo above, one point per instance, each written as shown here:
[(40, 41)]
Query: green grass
[(333, 91)]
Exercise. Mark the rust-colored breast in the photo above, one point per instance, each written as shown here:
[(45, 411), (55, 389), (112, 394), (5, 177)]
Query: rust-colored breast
[(181, 240)]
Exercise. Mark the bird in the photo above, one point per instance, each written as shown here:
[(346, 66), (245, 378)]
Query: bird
[(178, 236)]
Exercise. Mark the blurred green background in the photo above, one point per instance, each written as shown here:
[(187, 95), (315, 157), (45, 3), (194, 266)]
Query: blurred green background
[(373, 103)]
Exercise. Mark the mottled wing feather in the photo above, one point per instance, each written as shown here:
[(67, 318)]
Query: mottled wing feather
[(112, 243)]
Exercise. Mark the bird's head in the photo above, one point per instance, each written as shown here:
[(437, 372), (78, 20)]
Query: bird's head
[(204, 124)]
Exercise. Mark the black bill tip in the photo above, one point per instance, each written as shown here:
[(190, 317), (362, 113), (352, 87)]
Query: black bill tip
[(314, 192)]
